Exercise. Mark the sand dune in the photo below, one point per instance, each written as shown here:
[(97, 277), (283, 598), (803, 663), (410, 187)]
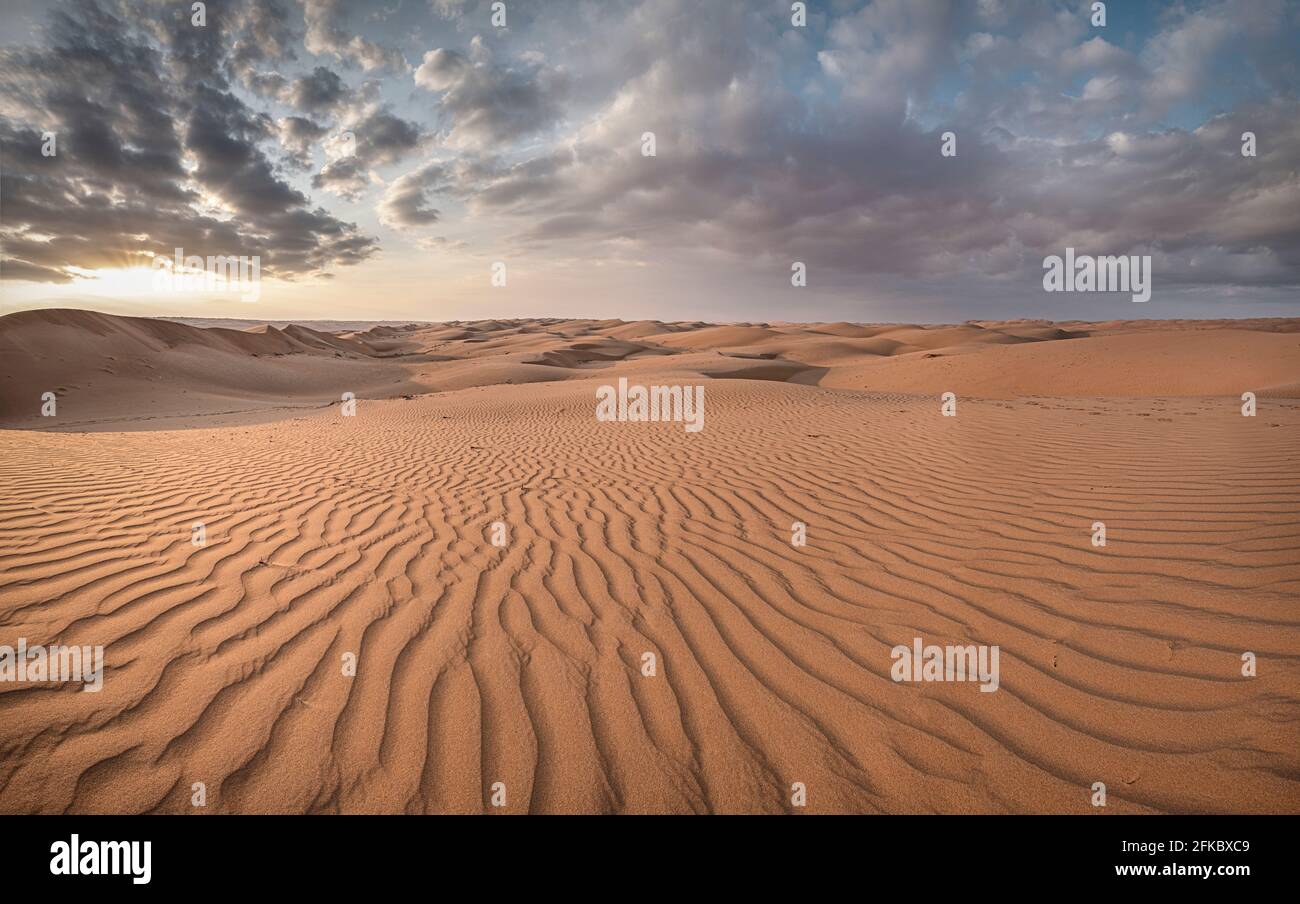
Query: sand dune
[(103, 368), (476, 664), (1211, 363), (108, 370)]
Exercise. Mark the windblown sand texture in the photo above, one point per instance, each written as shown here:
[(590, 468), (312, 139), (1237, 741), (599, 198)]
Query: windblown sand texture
[(476, 664)]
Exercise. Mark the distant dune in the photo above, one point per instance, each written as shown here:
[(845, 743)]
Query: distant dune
[(522, 665), (108, 369)]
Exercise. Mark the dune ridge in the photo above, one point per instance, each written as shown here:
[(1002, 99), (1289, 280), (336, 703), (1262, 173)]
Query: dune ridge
[(100, 365)]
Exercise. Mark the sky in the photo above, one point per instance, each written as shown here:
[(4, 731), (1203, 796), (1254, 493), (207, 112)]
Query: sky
[(456, 159)]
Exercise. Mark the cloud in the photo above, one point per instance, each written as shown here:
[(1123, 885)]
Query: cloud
[(297, 136), (486, 103), (382, 137), (440, 243), (146, 162), (774, 143), (406, 202), (318, 92), (263, 33), (11, 268), (346, 177), (326, 35), (370, 135), (749, 171)]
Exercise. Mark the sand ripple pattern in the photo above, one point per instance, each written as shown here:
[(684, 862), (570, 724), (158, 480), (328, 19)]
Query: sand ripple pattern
[(476, 664)]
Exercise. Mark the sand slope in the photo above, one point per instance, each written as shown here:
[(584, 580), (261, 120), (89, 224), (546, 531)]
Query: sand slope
[(477, 664), (106, 370)]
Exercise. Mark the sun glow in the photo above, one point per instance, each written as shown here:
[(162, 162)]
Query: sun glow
[(119, 282)]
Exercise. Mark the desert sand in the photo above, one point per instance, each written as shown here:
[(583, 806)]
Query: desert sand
[(523, 664)]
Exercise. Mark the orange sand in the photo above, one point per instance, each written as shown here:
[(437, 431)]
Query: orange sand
[(523, 665)]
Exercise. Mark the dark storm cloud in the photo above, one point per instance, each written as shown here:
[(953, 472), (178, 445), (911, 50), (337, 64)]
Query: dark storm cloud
[(146, 161)]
